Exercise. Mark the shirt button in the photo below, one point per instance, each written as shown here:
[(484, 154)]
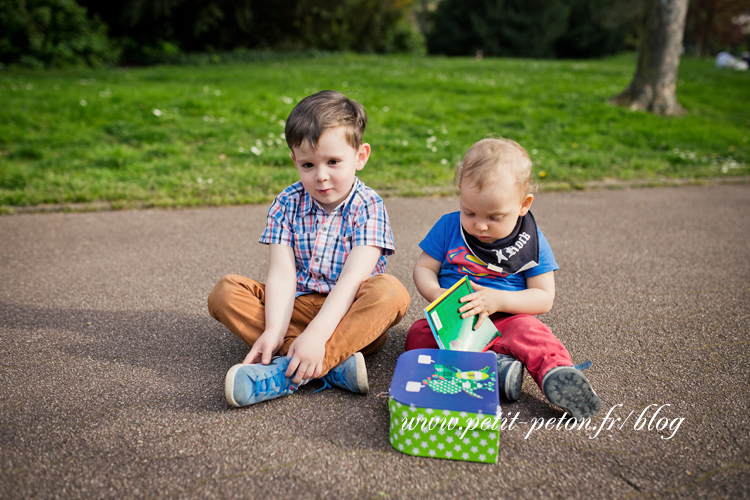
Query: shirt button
[(325, 229), (317, 259), (321, 277)]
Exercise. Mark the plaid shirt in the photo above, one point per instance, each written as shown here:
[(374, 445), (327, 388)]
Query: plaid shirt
[(321, 242)]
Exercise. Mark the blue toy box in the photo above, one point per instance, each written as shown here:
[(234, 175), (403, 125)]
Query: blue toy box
[(445, 404)]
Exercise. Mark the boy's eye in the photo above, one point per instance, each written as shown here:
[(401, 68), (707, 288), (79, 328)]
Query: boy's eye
[(496, 217), (333, 162), (307, 165)]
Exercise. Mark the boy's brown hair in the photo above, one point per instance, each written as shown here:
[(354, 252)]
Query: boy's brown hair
[(325, 110), (486, 160)]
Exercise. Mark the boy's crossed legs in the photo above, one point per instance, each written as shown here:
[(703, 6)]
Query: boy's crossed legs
[(238, 303)]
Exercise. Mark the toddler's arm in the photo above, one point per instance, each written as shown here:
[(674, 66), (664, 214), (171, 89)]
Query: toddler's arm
[(281, 285), (425, 276), (536, 299), (308, 351)]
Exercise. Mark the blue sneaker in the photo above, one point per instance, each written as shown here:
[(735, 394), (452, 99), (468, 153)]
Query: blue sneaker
[(350, 375), (509, 376), (249, 384), (568, 388)]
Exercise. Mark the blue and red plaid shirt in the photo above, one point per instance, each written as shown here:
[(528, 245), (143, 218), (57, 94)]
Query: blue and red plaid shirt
[(322, 241)]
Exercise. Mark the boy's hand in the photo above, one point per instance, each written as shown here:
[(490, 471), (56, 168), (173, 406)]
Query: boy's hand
[(264, 348), (483, 302), (306, 356)]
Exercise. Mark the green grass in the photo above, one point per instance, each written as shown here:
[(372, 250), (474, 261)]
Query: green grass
[(209, 135)]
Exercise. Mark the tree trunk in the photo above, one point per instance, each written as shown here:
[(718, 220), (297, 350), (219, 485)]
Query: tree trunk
[(653, 86)]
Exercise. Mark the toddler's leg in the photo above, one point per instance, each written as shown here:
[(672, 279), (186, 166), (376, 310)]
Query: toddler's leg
[(532, 343), (420, 336), (548, 361)]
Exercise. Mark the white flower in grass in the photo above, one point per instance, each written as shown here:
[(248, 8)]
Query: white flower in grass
[(405, 143), (241, 150), (82, 102), (444, 161), (386, 109), (156, 112), (217, 92), (255, 151)]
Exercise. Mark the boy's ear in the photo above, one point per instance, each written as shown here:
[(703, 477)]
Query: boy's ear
[(363, 154), (526, 204)]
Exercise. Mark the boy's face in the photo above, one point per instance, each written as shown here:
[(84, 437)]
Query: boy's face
[(327, 173), (491, 214)]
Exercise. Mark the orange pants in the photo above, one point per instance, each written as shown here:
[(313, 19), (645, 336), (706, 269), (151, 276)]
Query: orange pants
[(239, 304)]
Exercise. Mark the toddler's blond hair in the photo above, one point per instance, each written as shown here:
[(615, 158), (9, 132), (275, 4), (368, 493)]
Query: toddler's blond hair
[(487, 160)]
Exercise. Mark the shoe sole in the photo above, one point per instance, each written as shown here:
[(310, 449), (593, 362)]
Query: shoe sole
[(229, 385), (512, 382), (361, 373), (569, 389)]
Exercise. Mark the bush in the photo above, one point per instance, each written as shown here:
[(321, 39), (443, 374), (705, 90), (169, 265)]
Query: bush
[(53, 33), (529, 28)]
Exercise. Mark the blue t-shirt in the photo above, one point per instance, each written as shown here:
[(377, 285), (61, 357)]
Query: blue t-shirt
[(445, 244)]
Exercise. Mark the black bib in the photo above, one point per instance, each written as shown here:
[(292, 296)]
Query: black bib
[(517, 252)]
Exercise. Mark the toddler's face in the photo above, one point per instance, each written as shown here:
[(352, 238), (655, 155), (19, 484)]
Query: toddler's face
[(491, 214), (327, 173)]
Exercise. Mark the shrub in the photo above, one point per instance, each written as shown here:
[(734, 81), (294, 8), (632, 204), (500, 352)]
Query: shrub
[(53, 33)]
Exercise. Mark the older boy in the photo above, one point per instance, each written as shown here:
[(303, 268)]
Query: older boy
[(494, 240), (326, 301)]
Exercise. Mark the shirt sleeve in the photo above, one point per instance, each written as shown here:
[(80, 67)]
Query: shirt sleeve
[(277, 229), (372, 226), (434, 243), (547, 261)]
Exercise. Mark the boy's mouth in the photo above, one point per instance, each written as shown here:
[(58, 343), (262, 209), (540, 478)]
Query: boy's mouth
[(324, 191)]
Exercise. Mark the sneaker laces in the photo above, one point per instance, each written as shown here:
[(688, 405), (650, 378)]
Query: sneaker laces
[(336, 376), (273, 383), (326, 385), (583, 366)]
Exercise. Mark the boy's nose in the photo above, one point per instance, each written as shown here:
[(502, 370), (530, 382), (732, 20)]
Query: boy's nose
[(322, 175)]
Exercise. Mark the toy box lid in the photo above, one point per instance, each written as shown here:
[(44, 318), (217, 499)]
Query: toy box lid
[(447, 380)]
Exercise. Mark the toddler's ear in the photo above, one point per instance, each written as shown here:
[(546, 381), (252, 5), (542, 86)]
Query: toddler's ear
[(526, 204)]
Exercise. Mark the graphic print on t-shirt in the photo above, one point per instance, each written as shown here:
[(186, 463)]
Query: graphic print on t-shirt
[(467, 263)]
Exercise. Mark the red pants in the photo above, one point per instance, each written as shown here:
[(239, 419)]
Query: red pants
[(522, 336)]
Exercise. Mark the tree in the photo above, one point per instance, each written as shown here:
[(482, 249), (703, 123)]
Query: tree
[(654, 85), (714, 25)]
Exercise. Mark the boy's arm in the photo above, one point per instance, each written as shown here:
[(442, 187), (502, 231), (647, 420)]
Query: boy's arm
[(536, 299), (280, 288), (425, 276), (308, 351)]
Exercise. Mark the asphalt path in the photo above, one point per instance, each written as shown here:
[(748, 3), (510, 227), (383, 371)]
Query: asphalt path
[(111, 369)]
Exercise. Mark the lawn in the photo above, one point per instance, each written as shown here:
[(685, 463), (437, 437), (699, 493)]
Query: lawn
[(212, 135)]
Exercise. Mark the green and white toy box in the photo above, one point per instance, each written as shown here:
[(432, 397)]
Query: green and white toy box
[(445, 404)]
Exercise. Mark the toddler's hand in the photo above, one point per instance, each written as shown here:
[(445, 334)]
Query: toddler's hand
[(306, 356), (483, 302), (264, 348)]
